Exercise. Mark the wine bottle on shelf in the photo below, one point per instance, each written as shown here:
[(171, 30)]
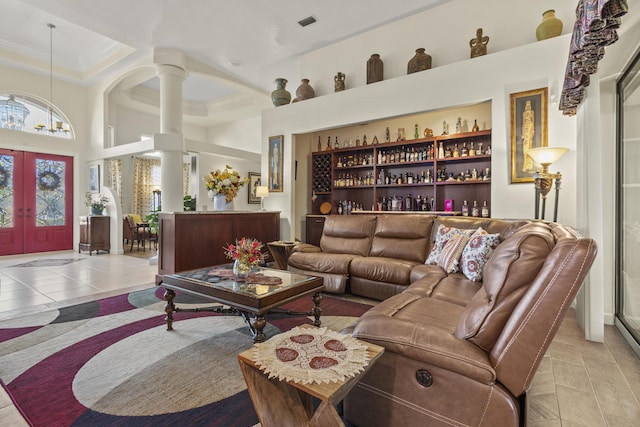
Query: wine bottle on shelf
[(441, 151), (328, 143), (456, 153), (336, 145), (485, 210), (319, 144), (472, 151), (475, 211), (465, 208), (464, 152)]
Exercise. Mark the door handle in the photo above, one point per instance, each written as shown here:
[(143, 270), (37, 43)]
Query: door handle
[(20, 215)]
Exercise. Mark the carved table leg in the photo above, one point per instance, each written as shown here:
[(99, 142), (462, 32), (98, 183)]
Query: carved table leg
[(169, 308), (317, 311), (256, 326)]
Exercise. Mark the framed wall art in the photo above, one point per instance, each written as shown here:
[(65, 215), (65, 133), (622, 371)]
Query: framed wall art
[(528, 130), (255, 181), (275, 163), (94, 178)]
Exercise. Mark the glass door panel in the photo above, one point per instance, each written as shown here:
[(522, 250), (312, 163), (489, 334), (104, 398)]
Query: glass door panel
[(628, 207)]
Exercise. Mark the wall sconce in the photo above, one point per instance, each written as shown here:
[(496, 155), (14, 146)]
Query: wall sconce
[(545, 156), (262, 191)]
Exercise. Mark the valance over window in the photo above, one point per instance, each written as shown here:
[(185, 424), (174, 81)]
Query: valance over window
[(595, 28)]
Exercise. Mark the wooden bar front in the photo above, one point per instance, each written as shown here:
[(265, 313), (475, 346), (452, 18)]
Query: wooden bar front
[(190, 240)]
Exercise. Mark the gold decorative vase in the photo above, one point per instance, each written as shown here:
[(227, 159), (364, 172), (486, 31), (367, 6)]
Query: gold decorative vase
[(549, 27)]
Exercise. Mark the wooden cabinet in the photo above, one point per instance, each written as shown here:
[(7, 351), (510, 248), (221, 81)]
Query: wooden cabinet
[(314, 227), (95, 234), (190, 240), (401, 175)]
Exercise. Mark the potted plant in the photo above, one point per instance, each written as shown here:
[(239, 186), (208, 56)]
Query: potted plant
[(97, 204)]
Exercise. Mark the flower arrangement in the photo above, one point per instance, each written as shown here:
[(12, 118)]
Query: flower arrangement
[(98, 204), (226, 182), (246, 250)]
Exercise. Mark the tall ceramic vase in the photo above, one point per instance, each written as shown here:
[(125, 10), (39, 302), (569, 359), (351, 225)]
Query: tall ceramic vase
[(549, 27), (220, 203), (280, 96), (375, 69)]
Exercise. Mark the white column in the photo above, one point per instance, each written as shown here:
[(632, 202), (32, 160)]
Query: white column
[(170, 141)]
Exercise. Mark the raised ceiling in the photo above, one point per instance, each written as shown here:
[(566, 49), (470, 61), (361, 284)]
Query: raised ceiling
[(248, 41)]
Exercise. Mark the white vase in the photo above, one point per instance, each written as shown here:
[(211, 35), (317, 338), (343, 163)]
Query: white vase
[(220, 203)]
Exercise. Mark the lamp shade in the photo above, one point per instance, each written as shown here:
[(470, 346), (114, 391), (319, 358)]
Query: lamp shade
[(546, 155), (262, 191)]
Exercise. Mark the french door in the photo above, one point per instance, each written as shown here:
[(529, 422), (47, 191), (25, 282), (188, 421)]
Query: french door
[(628, 207), (36, 202)]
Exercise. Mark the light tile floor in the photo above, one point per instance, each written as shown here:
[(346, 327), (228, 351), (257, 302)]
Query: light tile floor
[(579, 383)]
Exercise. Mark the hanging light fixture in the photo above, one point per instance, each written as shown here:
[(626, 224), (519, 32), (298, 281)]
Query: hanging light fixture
[(12, 114), (58, 127)]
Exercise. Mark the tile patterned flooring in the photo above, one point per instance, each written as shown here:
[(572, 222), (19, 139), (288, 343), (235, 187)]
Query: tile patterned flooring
[(579, 383)]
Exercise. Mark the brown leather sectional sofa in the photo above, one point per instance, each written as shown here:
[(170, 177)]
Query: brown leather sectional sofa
[(458, 352)]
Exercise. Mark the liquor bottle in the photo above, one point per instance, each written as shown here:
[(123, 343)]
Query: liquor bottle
[(475, 127), (472, 151), (416, 132), (465, 151), (480, 153), (336, 145), (475, 211), (485, 210), (441, 151), (465, 208), (319, 144), (364, 140), (456, 153), (408, 203), (417, 205), (340, 211), (488, 153), (328, 143)]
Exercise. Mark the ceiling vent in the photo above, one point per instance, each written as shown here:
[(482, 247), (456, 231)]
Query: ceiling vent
[(307, 21)]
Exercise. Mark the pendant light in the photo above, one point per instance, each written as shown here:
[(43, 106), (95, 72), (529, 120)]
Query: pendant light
[(58, 124)]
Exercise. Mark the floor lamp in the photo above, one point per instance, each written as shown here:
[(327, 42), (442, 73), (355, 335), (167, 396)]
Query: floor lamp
[(262, 191), (545, 156)]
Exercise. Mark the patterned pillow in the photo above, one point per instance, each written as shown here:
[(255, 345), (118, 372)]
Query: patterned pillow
[(443, 235), (450, 255), (477, 252)]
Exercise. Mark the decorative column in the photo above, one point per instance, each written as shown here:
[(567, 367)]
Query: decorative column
[(170, 141)]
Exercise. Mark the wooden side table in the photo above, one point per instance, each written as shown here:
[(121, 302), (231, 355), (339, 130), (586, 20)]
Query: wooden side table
[(287, 403), (280, 252)]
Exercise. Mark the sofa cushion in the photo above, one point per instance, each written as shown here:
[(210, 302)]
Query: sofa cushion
[(321, 262), (402, 236), (443, 234), (456, 289), (449, 258), (477, 252), (349, 234), (510, 270), (379, 269)]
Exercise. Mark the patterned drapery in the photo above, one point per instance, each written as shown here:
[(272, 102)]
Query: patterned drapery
[(186, 175), (595, 28), (144, 183), (115, 177)]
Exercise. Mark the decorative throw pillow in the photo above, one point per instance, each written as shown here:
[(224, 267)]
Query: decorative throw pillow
[(477, 252), (443, 234), (450, 255)]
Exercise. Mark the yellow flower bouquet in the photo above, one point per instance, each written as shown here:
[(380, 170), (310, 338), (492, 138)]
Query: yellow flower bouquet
[(226, 182)]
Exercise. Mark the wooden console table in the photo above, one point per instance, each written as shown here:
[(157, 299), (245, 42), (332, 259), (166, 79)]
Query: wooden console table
[(287, 403), (191, 240), (95, 234)]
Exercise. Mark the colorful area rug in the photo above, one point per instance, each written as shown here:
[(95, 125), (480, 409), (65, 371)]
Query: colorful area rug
[(112, 362), (47, 262)]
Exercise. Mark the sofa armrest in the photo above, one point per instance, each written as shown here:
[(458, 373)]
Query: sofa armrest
[(305, 247), (426, 343)]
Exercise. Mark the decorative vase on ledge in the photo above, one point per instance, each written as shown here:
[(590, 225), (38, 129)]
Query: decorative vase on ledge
[(220, 203)]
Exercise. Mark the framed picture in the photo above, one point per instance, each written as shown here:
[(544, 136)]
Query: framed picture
[(528, 130), (275, 163), (254, 182), (94, 178)]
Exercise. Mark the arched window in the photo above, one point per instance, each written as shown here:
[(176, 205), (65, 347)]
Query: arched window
[(29, 114)]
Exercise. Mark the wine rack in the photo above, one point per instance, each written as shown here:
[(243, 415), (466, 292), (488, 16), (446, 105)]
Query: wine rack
[(322, 172)]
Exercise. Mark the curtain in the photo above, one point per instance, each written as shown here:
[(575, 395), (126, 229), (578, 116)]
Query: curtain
[(595, 28), (186, 173), (115, 177), (145, 180)]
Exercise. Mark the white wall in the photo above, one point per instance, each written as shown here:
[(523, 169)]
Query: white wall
[(492, 77), (241, 134)]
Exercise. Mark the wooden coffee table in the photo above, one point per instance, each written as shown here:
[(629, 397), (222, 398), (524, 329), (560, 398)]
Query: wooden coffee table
[(252, 301), (287, 403)]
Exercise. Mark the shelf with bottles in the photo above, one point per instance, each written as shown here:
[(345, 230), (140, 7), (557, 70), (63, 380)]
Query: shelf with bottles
[(462, 175), (464, 146), (452, 197)]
